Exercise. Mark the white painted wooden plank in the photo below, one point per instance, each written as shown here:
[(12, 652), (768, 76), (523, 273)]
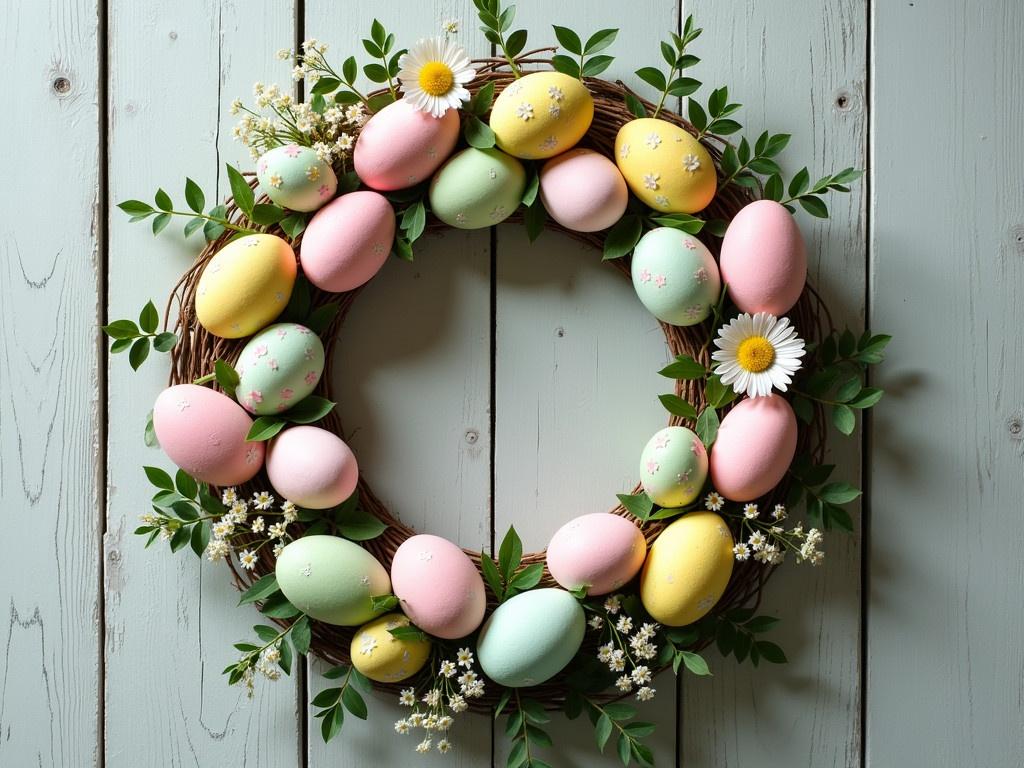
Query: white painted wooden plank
[(412, 376), (49, 396), (576, 370), (171, 621), (944, 658), (800, 72)]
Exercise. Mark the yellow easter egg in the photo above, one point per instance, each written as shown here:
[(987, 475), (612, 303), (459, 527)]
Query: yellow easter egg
[(541, 115), (687, 569), (383, 657), (245, 286), (664, 166)]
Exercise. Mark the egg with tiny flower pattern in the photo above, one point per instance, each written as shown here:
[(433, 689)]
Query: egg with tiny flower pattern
[(675, 276), (296, 178), (673, 467), (541, 115), (245, 286), (665, 166), (384, 658), (687, 570), (278, 367), (477, 188)]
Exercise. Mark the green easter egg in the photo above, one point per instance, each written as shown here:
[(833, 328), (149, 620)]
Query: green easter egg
[(295, 178), (477, 188), (675, 276), (278, 367), (673, 467)]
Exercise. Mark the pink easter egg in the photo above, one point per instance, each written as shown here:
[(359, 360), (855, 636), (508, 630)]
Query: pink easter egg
[(600, 551), (583, 190), (439, 587), (764, 259), (400, 146), (203, 432), (311, 467), (347, 241), (754, 448)]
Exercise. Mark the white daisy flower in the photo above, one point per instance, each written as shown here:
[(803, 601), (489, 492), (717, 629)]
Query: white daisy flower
[(741, 551), (444, 746), (229, 496), (258, 524), (434, 74), (779, 513), (402, 726), (758, 353), (448, 668), (407, 697), (247, 558), (457, 704), (750, 511), (714, 501), (625, 625), (596, 622), (757, 540), (613, 604), (262, 500), (465, 657), (423, 747)]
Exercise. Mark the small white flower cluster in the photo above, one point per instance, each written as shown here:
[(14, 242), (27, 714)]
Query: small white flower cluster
[(434, 711), (768, 542), (235, 522), (625, 648)]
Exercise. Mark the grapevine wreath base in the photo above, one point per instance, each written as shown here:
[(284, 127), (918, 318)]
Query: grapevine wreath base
[(188, 508), (198, 349)]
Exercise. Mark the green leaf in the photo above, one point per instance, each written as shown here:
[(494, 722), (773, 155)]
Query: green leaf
[(516, 42), (773, 189), (194, 196), (770, 652), (531, 190), (335, 673), (568, 39), (697, 115), (838, 493), (408, 633), (382, 603), (640, 730), (241, 191), (717, 394), (402, 248), (510, 553), (259, 590), (356, 524), (320, 319), (707, 426), (623, 237), (639, 505), (482, 99), (136, 208), (331, 724), (502, 702), (478, 134), (528, 577), (677, 406), (164, 342), (160, 223), (414, 220), (121, 329), (163, 201), (264, 428), (684, 368), (603, 730), (695, 663), (534, 712), (266, 214), (566, 65), (149, 435), (181, 538), (848, 389), (653, 77), (148, 318), (119, 345), (683, 86), (535, 218), (186, 484), (200, 537), (293, 224), (159, 478), (866, 398), (138, 353), (619, 710), (843, 419), (600, 40), (799, 183), (595, 65), (492, 576), (350, 70), (227, 377), (814, 206), (624, 748), (328, 697), (308, 410), (804, 409), (353, 702), (375, 73), (760, 624), (277, 606), (635, 106), (377, 33)]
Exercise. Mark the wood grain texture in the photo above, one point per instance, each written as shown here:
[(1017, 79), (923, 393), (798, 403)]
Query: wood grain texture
[(413, 378), (944, 659), (50, 418), (801, 72), (170, 620)]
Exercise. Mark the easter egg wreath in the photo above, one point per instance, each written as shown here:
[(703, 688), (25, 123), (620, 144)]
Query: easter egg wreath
[(704, 228)]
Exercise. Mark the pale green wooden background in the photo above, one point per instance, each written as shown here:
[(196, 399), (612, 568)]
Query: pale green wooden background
[(906, 647)]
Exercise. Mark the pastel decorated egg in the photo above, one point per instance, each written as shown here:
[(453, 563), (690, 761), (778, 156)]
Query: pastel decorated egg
[(675, 276), (245, 286), (203, 432), (311, 467), (764, 259), (331, 579), (666, 167), (400, 146), (600, 551), (687, 570), (347, 241), (381, 656), (541, 115), (531, 637), (439, 587), (583, 190), (754, 448), (278, 367), (673, 467), (296, 178), (477, 188)]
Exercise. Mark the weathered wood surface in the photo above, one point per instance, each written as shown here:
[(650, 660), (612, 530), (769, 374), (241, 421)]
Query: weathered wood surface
[(131, 675)]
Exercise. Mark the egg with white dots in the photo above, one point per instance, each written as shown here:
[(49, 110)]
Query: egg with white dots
[(675, 276), (278, 367), (296, 178), (384, 658), (673, 467), (477, 188)]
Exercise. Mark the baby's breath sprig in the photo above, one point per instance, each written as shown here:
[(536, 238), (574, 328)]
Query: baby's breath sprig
[(139, 338), (630, 648), (572, 43), (335, 701), (672, 84), (271, 655), (496, 22)]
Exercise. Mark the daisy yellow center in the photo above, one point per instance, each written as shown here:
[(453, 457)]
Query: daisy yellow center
[(436, 78), (755, 354)]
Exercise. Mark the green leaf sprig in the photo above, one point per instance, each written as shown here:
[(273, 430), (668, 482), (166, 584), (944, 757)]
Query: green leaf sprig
[(673, 83), (496, 23), (309, 410), (477, 132), (380, 45), (183, 511), (274, 652), (807, 195), (716, 120), (523, 728), (738, 162), (139, 338), (612, 723), (824, 500), (581, 66), (213, 222), (333, 702), (505, 578)]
